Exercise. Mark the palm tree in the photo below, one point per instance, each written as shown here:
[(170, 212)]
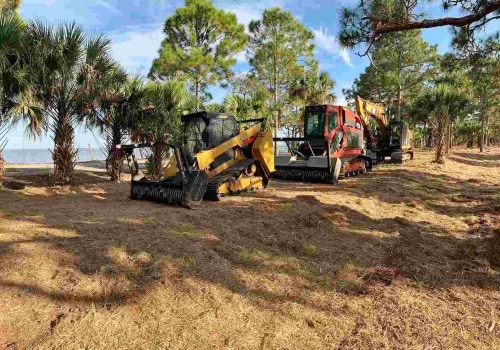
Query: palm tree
[(17, 100), (321, 91), (315, 90), (437, 105), (9, 6), (250, 105), (72, 72), (120, 107), (161, 119)]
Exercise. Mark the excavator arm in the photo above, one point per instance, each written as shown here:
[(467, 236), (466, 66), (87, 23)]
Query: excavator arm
[(399, 145), (367, 109)]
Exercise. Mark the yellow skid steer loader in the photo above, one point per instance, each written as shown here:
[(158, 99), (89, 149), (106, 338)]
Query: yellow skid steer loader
[(219, 156)]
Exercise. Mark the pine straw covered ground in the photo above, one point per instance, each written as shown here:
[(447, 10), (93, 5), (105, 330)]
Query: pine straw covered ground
[(403, 257)]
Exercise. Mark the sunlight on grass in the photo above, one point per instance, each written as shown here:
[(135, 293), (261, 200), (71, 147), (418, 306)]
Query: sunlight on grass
[(266, 263), (271, 278), (348, 279), (23, 196), (136, 221), (186, 262), (148, 221), (310, 250), (129, 221), (187, 230), (252, 255), (286, 205)]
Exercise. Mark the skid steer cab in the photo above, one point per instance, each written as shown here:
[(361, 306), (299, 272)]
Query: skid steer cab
[(218, 156)]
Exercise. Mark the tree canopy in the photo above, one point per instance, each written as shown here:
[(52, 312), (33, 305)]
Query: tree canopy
[(369, 20), (9, 5), (200, 45), (281, 53), (402, 64)]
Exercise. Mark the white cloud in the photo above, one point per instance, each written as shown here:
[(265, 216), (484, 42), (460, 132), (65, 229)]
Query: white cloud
[(241, 57), (325, 41), (137, 47), (247, 12), (341, 101), (107, 5), (330, 45), (345, 56), (49, 3)]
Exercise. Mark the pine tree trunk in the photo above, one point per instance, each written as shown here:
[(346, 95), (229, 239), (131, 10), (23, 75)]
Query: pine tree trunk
[(481, 142), (447, 137), (470, 139), (430, 138), (275, 97), (400, 91), (486, 123), (483, 127), (2, 167), (64, 152), (450, 136)]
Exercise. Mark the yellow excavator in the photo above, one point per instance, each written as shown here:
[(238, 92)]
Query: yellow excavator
[(219, 156), (390, 138)]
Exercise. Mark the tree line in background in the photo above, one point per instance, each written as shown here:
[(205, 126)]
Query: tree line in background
[(53, 78), (448, 99)]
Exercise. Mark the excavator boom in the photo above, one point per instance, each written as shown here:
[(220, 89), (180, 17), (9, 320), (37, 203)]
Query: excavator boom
[(394, 137), (367, 109)]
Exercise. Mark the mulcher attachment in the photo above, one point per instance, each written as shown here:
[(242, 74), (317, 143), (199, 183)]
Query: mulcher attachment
[(188, 194), (187, 188), (305, 175), (314, 169)]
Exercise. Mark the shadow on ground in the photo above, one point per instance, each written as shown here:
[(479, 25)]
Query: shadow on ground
[(266, 247)]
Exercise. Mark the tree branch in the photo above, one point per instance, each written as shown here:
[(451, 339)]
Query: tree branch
[(431, 23)]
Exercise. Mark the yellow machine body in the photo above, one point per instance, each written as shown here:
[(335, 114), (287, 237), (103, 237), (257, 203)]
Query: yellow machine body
[(232, 175), (263, 150), (171, 168)]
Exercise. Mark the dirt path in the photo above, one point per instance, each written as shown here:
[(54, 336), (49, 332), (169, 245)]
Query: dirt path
[(403, 257)]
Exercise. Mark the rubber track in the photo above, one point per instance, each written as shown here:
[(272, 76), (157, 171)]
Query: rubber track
[(212, 192)]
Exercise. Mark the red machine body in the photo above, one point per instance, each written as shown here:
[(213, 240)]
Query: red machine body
[(332, 146)]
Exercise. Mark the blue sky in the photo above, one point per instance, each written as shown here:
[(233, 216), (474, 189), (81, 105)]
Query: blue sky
[(135, 27)]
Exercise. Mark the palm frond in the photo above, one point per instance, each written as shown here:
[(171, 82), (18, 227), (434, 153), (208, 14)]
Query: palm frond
[(11, 32)]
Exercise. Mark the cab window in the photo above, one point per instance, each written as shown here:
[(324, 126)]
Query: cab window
[(332, 121), (315, 124)]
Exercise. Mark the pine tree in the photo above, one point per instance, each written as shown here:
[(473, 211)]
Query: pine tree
[(281, 53), (200, 45), (402, 63)]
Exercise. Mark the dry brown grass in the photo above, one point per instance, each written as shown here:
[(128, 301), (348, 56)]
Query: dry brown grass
[(403, 257)]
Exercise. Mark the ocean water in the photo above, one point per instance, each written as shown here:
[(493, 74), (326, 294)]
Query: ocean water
[(27, 155)]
